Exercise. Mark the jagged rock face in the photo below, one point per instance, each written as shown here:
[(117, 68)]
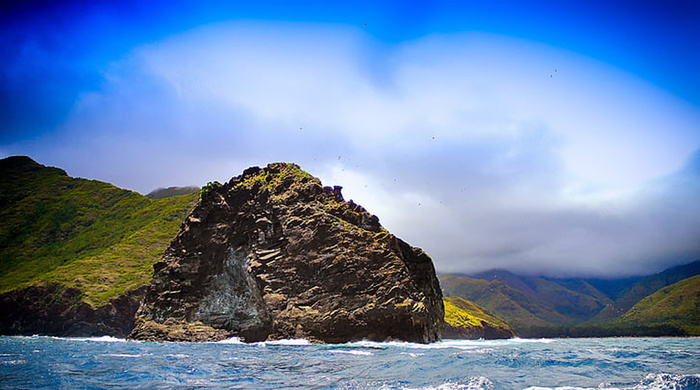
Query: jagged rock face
[(273, 254)]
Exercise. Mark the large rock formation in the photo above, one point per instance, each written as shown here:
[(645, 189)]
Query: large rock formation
[(272, 254)]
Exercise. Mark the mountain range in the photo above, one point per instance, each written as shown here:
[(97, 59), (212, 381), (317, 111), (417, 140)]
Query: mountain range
[(538, 306)]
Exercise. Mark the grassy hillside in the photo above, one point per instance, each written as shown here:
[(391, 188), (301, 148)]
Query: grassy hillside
[(461, 312), (552, 307), (465, 319), (675, 305), (80, 233), (574, 299), (646, 286), (513, 306)]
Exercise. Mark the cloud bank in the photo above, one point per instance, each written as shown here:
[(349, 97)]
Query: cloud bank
[(484, 150)]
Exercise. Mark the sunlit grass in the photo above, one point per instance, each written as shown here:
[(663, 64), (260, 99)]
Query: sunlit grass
[(80, 233)]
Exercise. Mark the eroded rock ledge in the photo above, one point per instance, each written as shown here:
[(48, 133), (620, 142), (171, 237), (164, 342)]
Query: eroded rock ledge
[(273, 254)]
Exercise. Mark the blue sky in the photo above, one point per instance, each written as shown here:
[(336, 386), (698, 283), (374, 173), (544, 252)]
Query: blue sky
[(556, 137)]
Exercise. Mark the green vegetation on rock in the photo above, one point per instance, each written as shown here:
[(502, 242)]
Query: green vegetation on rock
[(80, 233)]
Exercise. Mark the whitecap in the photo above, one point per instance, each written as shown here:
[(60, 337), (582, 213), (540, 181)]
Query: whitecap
[(121, 355), (650, 382), (475, 383), (524, 341), (669, 381), (444, 344), (571, 388), (368, 344), (13, 362), (293, 342), (357, 353), (177, 355), (232, 340), (101, 339)]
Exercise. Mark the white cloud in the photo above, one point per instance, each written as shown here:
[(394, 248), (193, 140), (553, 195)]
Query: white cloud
[(485, 150)]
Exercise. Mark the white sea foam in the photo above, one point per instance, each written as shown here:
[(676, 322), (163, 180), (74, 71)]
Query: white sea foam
[(101, 339), (475, 383), (232, 340), (669, 382), (650, 382), (541, 341), (287, 342), (177, 355), (121, 355), (357, 353), (13, 362), (474, 345)]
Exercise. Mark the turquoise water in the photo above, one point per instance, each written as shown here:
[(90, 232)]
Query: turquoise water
[(105, 362)]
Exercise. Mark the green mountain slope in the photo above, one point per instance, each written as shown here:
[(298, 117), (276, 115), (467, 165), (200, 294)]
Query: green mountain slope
[(465, 319), (574, 299), (517, 308), (80, 233), (162, 193), (644, 287), (675, 305), (552, 307)]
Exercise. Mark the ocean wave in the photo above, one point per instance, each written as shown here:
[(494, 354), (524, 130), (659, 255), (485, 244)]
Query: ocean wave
[(670, 381), (474, 383), (177, 355), (232, 340), (289, 342), (475, 345), (13, 362), (121, 355), (525, 341), (661, 381), (357, 353), (101, 339)]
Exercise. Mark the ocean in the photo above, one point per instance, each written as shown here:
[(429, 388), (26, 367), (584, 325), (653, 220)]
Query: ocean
[(106, 362)]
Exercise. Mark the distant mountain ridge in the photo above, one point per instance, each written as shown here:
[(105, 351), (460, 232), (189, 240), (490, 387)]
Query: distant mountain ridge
[(677, 305), (646, 286), (162, 193), (536, 302)]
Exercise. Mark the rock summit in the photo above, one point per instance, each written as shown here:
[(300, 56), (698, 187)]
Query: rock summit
[(272, 254)]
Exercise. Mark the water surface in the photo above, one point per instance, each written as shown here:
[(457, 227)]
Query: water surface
[(105, 362)]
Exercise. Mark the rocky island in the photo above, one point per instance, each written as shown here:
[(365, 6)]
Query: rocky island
[(273, 254)]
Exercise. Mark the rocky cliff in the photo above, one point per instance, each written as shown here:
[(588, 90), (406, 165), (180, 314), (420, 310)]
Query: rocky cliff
[(56, 310), (273, 254)]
